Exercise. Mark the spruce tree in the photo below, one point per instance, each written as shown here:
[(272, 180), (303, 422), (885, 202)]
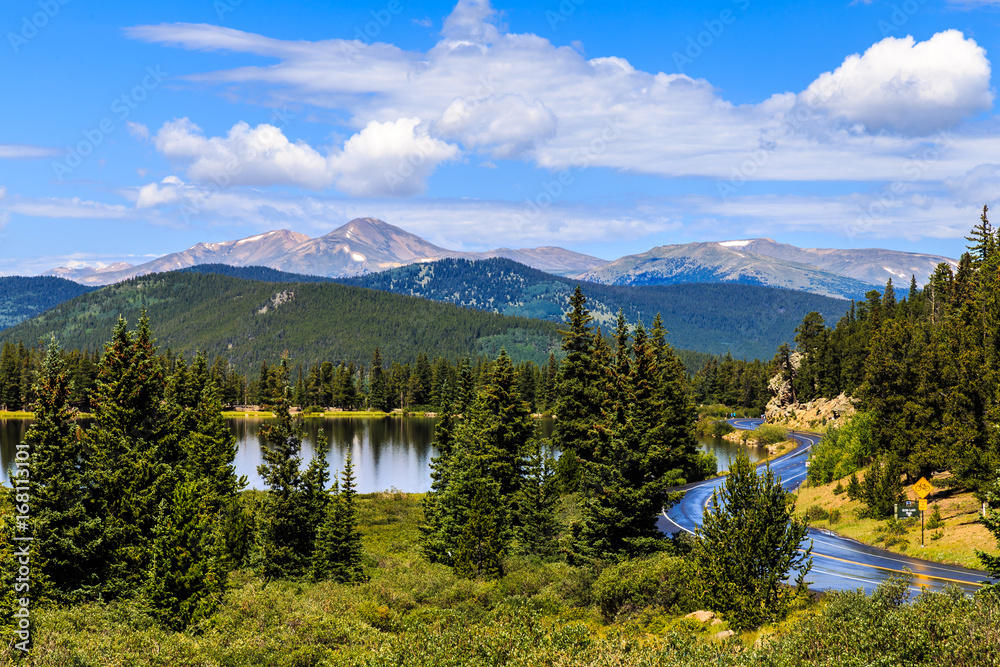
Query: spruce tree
[(482, 544), (127, 476), (188, 575), (338, 552), (535, 504), (750, 543), (578, 401), (295, 501), (64, 534)]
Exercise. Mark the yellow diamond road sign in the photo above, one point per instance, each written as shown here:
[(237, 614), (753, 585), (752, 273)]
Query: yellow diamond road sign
[(923, 487)]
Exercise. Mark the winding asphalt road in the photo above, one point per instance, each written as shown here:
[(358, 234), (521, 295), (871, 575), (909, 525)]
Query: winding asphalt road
[(839, 563)]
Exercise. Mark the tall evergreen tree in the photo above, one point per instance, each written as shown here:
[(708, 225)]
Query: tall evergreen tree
[(64, 534), (188, 575), (338, 552), (577, 401), (128, 475)]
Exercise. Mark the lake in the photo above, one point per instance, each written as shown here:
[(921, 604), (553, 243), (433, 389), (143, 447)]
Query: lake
[(388, 453)]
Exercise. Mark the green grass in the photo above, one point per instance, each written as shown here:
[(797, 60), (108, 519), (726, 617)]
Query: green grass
[(414, 613)]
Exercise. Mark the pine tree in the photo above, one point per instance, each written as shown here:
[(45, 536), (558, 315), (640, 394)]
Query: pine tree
[(338, 552), (127, 477), (481, 546), (188, 577), (378, 393), (577, 401), (296, 501), (64, 534), (535, 504), (750, 543)]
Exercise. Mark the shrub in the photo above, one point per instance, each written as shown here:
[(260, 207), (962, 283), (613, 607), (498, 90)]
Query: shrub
[(769, 434), (715, 428), (839, 489), (834, 516), (661, 580), (853, 487), (937, 535), (935, 521), (816, 513)]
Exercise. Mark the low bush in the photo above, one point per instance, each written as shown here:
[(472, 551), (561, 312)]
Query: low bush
[(661, 580)]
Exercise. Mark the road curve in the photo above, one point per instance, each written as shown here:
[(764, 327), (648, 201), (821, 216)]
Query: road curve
[(839, 563)]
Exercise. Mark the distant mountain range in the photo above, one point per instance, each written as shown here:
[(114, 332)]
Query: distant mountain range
[(248, 322), (749, 321), (367, 245), (851, 273), (363, 245)]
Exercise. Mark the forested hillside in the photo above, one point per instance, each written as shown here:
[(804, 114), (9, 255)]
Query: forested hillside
[(748, 321), (251, 322), (24, 297), (924, 370)]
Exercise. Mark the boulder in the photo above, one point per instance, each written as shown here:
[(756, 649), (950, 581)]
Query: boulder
[(701, 616), (725, 634)]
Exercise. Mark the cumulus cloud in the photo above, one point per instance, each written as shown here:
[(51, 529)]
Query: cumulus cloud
[(507, 125), (245, 156), (471, 22), (903, 85), (518, 96), (391, 159)]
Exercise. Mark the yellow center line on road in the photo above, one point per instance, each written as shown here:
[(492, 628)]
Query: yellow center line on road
[(889, 569)]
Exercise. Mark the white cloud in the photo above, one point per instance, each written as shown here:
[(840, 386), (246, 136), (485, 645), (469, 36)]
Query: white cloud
[(55, 207), (507, 125), (3, 191), (245, 156), (518, 96), (394, 158), (980, 185), (26, 152), (137, 130), (167, 191), (903, 85), (471, 22)]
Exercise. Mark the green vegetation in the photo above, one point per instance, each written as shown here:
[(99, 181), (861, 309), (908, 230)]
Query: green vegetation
[(415, 613), (715, 428), (249, 322), (748, 320), (747, 583), (22, 298)]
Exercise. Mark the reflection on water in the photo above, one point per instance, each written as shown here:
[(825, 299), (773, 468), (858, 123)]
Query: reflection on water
[(387, 452), (725, 450)]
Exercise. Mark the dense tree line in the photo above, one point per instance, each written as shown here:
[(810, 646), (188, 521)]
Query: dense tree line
[(625, 436), (924, 370), (733, 383), (709, 317), (249, 322), (24, 297), (144, 502)]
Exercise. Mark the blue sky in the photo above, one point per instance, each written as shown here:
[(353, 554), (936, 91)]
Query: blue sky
[(137, 129)]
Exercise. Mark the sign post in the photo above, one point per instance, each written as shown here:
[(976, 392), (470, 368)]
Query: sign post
[(922, 488)]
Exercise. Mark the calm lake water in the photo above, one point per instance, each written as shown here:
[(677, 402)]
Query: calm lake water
[(388, 453)]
